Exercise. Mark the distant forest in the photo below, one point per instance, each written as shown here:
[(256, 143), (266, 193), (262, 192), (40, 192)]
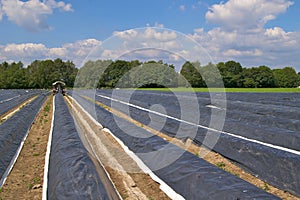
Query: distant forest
[(131, 74)]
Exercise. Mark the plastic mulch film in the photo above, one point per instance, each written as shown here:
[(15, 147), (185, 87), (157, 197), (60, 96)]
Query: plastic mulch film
[(189, 175), (13, 132), (72, 173)]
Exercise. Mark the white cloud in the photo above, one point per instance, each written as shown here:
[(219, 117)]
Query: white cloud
[(156, 24), (249, 15), (32, 14), (107, 54), (80, 49), (148, 37), (273, 47), (142, 44), (58, 52), (146, 34), (148, 43), (61, 5), (150, 33), (129, 34), (199, 30), (2, 56), (276, 32), (242, 36), (28, 52), (1, 12), (182, 7), (83, 44), (174, 57), (24, 50), (235, 53)]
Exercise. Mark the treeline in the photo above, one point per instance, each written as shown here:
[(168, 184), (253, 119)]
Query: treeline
[(236, 76), (132, 74), (126, 74), (39, 74)]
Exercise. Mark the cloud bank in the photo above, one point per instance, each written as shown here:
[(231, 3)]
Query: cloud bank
[(246, 16), (31, 15), (239, 34)]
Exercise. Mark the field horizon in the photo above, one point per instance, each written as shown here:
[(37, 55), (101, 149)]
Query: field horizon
[(246, 90)]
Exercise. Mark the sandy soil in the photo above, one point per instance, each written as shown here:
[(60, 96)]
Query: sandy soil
[(26, 178)]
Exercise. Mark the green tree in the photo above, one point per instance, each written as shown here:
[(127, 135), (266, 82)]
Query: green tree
[(262, 77), (249, 83), (13, 75), (286, 77), (231, 73), (233, 67), (115, 71), (108, 73), (191, 73), (211, 75), (89, 75), (151, 74), (43, 73)]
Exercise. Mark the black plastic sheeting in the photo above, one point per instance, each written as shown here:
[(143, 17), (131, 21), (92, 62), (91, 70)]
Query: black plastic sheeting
[(13, 131), (10, 99), (189, 175), (11, 93), (251, 115), (72, 173), (270, 118)]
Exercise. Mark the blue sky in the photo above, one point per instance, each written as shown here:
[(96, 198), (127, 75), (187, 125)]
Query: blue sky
[(253, 32)]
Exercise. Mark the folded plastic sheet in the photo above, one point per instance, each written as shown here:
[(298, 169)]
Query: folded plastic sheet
[(189, 175), (73, 173), (276, 167), (13, 131)]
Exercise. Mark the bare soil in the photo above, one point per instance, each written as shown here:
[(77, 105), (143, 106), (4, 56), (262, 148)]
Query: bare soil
[(26, 178)]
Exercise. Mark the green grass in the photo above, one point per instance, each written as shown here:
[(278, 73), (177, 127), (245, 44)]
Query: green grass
[(221, 165), (47, 107), (30, 186), (265, 187), (261, 90)]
